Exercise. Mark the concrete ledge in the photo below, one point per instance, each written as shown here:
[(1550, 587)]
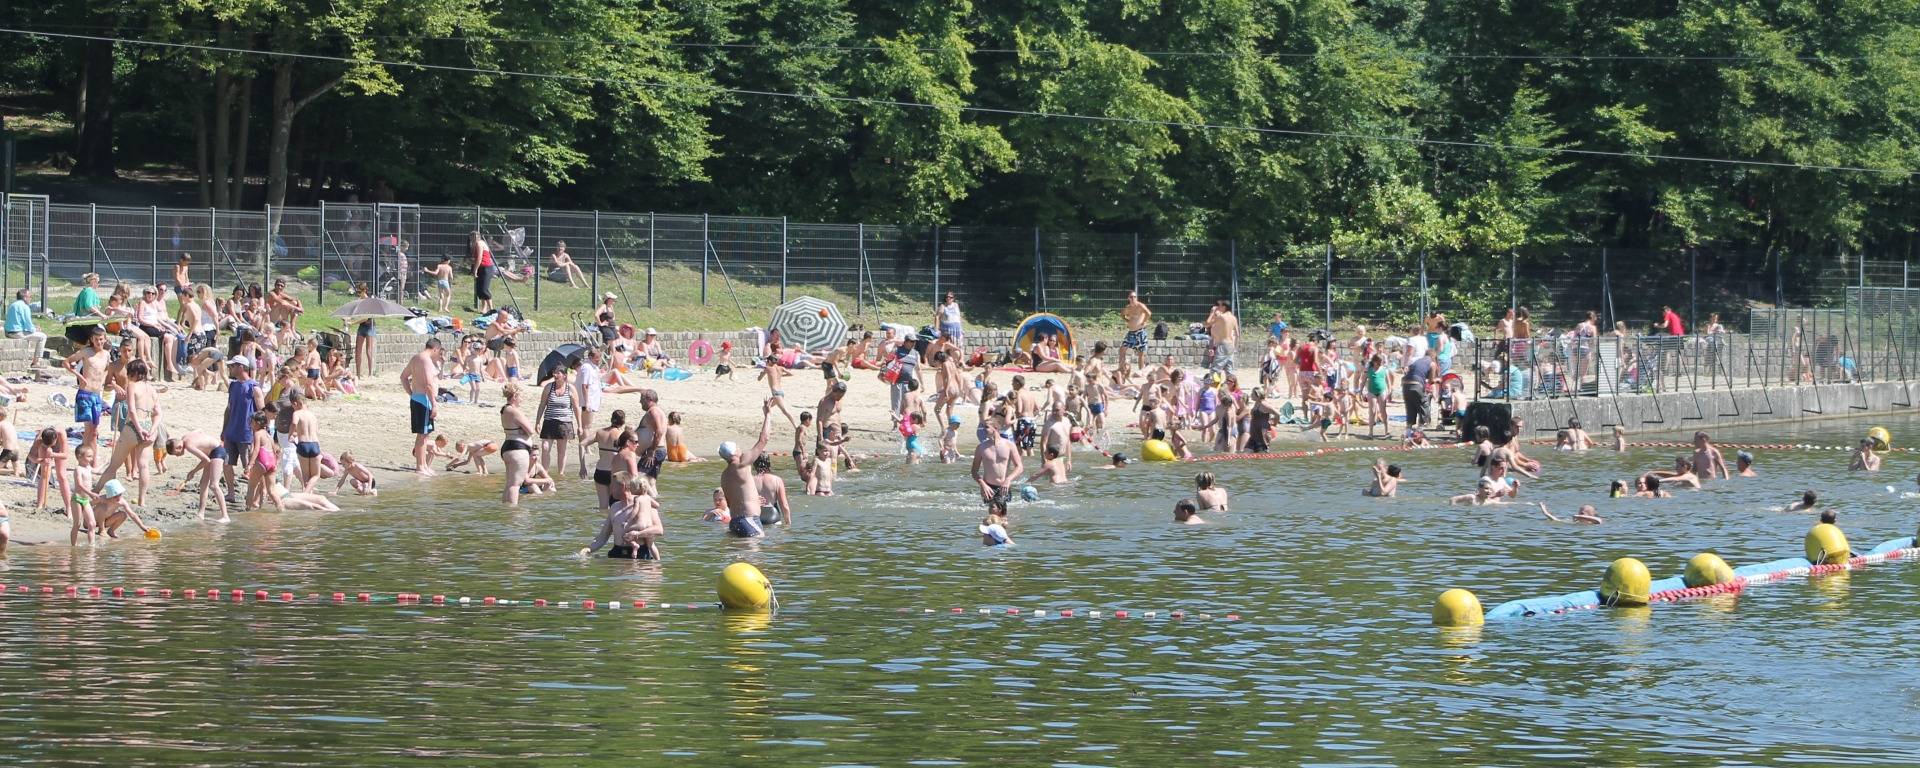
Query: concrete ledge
[(1689, 411)]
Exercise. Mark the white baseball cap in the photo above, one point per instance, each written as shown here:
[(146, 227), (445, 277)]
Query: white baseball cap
[(608, 295), (652, 332), (242, 361)]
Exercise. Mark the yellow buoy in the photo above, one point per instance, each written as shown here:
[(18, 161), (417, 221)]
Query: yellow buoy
[(1458, 608), (1156, 450), (1706, 570), (1880, 437), (745, 587), (1627, 583), (1827, 545), (153, 533)]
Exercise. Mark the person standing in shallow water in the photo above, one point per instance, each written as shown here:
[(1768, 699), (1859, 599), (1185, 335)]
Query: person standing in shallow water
[(736, 479)]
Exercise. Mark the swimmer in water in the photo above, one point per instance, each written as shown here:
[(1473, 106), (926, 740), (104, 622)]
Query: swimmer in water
[(1185, 512), (1808, 500), (1586, 515), (1830, 517), (1708, 464), (1864, 459), (1681, 474), (1386, 480), (1619, 439), (1053, 468), (1117, 461), (1743, 465), (1487, 494), (1650, 488), (1618, 489), (719, 513), (1578, 439), (993, 527), (1211, 497)]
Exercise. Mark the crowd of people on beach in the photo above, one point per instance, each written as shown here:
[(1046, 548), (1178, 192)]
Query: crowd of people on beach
[(268, 451)]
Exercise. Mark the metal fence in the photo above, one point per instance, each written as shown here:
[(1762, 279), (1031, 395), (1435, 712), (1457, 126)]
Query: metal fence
[(655, 260)]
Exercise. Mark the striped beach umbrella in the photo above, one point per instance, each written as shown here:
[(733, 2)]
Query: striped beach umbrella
[(810, 324)]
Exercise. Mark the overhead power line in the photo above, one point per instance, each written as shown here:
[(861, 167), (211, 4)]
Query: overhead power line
[(999, 111)]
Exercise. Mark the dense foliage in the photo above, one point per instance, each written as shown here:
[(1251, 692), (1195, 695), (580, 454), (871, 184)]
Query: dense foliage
[(656, 105)]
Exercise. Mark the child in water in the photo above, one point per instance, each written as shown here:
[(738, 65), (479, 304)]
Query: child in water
[(719, 513), (1586, 515), (949, 447), (910, 430), (1053, 468), (1386, 480), (1210, 497), (993, 527), (356, 474)]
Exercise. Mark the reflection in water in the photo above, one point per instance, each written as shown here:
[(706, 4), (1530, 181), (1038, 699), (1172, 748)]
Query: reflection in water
[(1333, 653)]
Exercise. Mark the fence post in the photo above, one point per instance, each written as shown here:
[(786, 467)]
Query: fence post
[(153, 244), (213, 241), (1693, 288), (649, 259), (1328, 276), (1779, 292), (1136, 263), (266, 250), (706, 245), (1423, 287), (860, 268), (1039, 273), (6, 239), (594, 299), (373, 249), (783, 259), (1513, 280), (93, 237), (539, 243), (321, 268), (936, 265), (1233, 268)]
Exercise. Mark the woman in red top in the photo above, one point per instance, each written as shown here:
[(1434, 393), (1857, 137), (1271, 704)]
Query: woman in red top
[(482, 273)]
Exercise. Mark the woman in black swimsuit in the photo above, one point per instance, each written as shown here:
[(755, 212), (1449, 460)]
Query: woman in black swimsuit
[(515, 452), (606, 439)]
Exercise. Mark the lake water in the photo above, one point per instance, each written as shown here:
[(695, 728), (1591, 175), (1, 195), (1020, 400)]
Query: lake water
[(1332, 661)]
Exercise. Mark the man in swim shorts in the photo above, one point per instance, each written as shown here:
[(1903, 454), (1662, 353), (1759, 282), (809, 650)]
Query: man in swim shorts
[(419, 380), (650, 434), (245, 397), (996, 465), (1137, 316), (737, 483), (88, 365)]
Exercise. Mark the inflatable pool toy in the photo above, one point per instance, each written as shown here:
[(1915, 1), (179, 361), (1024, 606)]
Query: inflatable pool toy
[(153, 533), (676, 374), (1626, 583), (700, 352), (1458, 608), (1880, 437), (744, 587), (1156, 450), (1827, 545), (1705, 570), (1029, 493)]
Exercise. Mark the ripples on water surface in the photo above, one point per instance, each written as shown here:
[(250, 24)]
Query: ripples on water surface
[(1332, 663)]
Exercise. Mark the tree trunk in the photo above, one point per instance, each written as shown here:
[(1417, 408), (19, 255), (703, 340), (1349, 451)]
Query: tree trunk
[(93, 155), (243, 90), (286, 107), (200, 156), (222, 149)]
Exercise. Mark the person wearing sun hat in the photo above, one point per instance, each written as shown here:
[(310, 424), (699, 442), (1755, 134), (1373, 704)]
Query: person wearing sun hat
[(112, 509)]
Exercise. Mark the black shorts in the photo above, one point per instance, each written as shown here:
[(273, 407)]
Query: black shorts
[(829, 371), (8, 454), (510, 445), (626, 552), (217, 454), (602, 477), (420, 420), (650, 465), (483, 284), (554, 429)]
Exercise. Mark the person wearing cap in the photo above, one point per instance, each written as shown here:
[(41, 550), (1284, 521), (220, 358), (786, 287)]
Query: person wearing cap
[(245, 397), (88, 303), (603, 318), (111, 509), (1743, 465), (993, 527), (736, 479), (949, 440), (563, 262), (656, 356)]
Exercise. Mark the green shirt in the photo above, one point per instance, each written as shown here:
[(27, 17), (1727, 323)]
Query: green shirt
[(86, 302)]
